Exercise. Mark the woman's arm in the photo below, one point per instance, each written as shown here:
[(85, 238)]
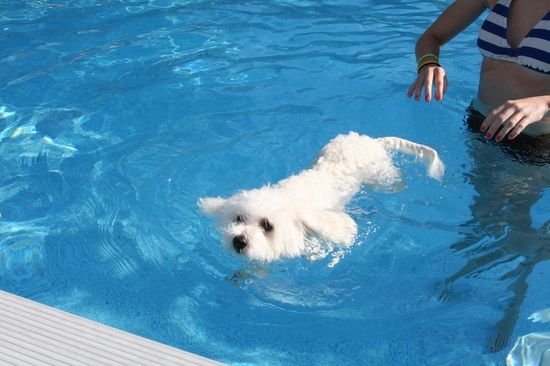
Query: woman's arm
[(451, 22)]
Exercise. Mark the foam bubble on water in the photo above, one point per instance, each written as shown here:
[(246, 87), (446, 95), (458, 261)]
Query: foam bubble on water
[(317, 249), (336, 256), (541, 316)]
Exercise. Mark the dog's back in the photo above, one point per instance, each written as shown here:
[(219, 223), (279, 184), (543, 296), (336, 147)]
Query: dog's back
[(358, 159), (369, 160)]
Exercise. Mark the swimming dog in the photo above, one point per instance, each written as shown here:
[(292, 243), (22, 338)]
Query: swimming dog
[(277, 221)]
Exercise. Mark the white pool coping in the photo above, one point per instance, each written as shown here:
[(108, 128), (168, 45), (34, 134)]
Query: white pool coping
[(36, 334)]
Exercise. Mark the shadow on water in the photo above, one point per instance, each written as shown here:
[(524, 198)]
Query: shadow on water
[(508, 179)]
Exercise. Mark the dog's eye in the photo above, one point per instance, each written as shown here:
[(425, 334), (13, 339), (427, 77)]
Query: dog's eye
[(240, 219), (266, 225)]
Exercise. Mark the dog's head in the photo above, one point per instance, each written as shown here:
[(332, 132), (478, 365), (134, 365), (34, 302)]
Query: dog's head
[(263, 225)]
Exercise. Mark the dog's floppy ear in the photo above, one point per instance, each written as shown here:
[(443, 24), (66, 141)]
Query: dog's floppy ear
[(211, 205), (337, 227)]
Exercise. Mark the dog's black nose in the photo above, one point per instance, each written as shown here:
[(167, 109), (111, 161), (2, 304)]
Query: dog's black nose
[(239, 243)]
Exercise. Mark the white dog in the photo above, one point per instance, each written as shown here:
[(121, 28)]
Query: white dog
[(278, 220)]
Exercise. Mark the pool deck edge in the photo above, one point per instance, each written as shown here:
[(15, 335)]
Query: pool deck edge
[(35, 334)]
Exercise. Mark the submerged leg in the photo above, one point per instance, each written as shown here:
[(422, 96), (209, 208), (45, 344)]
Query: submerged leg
[(505, 191), (505, 326)]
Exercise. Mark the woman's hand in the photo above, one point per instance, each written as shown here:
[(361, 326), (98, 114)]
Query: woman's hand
[(427, 77), (511, 118)]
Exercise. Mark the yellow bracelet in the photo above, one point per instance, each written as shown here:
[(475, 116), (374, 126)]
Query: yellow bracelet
[(432, 55)]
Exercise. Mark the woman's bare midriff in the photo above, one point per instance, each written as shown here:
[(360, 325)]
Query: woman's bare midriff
[(501, 81)]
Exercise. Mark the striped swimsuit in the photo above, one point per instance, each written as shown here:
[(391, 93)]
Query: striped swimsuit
[(534, 50)]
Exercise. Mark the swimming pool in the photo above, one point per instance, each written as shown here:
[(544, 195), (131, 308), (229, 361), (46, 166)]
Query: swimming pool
[(115, 117)]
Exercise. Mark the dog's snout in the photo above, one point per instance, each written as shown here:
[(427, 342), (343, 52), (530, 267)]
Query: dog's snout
[(239, 243)]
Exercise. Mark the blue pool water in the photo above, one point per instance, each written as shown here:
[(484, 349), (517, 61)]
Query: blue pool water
[(116, 116)]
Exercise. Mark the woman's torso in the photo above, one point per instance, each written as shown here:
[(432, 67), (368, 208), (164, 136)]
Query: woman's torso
[(510, 72)]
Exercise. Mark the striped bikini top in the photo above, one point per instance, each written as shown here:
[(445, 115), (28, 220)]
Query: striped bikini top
[(534, 50)]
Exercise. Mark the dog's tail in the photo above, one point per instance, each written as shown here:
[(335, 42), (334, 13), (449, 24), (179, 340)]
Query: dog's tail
[(426, 154)]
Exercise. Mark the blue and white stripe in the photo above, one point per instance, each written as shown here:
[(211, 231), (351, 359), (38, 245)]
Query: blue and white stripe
[(534, 50)]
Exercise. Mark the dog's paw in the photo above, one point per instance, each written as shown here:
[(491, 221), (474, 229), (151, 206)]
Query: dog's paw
[(336, 227)]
